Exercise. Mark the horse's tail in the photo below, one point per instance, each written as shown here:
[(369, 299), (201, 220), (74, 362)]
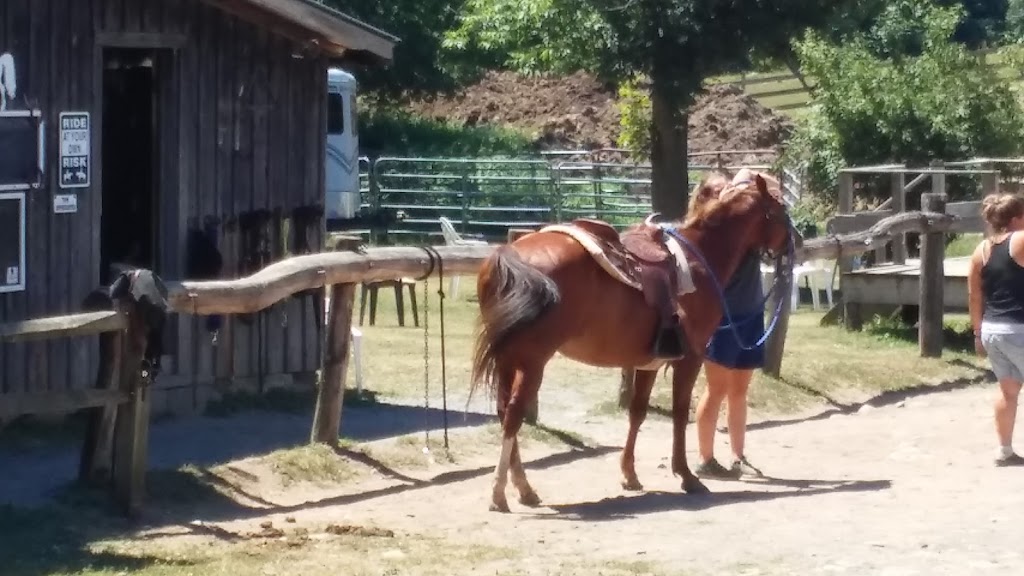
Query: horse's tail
[(514, 295)]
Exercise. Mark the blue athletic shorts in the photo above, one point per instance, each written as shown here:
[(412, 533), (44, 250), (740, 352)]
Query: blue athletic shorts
[(724, 350)]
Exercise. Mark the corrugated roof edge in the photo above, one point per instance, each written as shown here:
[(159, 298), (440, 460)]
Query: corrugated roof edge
[(349, 19)]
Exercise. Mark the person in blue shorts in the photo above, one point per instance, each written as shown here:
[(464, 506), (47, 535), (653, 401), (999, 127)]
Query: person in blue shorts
[(728, 367)]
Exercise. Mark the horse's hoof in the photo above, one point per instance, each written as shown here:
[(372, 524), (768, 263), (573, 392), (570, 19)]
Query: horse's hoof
[(499, 505), (633, 485), (529, 499), (693, 485)]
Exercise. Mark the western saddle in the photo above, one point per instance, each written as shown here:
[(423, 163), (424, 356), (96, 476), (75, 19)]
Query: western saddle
[(640, 253)]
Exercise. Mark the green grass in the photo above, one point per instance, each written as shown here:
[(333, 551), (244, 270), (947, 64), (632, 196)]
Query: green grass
[(819, 363)]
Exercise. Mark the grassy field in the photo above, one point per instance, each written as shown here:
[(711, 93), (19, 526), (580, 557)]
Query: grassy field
[(781, 90)]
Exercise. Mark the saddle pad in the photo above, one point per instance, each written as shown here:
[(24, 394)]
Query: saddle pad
[(594, 249)]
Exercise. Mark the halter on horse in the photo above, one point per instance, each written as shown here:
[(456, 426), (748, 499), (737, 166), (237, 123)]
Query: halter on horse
[(547, 293)]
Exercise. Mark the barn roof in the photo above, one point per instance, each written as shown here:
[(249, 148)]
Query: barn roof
[(309, 21)]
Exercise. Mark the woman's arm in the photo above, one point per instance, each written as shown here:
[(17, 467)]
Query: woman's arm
[(975, 298)]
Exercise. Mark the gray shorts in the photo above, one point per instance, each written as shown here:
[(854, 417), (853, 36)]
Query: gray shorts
[(1006, 353)]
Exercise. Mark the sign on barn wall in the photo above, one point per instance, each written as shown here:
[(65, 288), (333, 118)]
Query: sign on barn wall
[(74, 150), (12, 242)]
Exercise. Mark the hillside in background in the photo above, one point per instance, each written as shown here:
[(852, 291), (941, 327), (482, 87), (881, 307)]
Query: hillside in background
[(578, 112)]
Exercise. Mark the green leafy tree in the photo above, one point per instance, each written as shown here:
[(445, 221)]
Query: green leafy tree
[(419, 64), (875, 104), (673, 44)]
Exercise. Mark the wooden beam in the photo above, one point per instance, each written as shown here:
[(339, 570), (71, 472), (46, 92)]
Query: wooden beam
[(63, 402), (131, 429), (933, 255), (331, 388), (97, 458), (85, 324), (776, 344), (282, 279)]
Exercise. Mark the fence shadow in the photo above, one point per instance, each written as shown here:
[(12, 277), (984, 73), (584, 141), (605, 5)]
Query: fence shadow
[(31, 477)]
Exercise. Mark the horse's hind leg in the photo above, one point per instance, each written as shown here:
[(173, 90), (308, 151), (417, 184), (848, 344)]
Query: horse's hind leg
[(515, 388), (527, 495), (643, 383)]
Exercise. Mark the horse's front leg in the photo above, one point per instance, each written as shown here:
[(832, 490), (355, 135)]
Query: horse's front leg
[(643, 383), (684, 375)]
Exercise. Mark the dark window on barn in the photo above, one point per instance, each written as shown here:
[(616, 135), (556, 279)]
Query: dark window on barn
[(335, 113)]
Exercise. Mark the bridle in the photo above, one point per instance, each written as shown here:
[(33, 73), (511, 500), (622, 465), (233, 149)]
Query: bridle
[(783, 268)]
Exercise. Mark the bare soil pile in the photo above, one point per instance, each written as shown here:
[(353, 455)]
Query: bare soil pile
[(579, 112)]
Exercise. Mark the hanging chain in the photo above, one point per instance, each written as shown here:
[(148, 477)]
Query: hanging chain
[(426, 359)]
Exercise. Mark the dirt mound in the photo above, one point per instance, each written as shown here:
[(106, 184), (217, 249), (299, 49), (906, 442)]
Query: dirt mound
[(560, 112), (725, 118), (579, 112)]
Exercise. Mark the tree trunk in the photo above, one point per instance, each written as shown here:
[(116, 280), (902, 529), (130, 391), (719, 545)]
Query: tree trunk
[(670, 189)]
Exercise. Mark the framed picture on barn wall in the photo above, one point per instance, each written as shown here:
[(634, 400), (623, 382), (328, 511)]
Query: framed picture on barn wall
[(22, 163), (12, 241)]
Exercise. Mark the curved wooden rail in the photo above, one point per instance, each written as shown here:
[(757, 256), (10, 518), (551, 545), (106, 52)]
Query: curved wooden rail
[(282, 279)]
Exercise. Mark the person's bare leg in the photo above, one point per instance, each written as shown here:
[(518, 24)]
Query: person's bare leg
[(1006, 416), (708, 407), (736, 403)]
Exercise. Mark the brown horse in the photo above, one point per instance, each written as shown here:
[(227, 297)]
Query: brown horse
[(545, 293)]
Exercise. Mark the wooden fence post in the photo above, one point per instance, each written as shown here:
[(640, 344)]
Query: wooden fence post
[(851, 310), (533, 408), (331, 389), (131, 430), (933, 253), (899, 205), (330, 395), (98, 450), (776, 344)]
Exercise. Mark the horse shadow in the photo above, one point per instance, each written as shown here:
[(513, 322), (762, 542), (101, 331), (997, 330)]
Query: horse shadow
[(634, 505)]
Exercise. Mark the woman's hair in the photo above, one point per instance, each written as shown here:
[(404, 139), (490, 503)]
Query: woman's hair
[(999, 210)]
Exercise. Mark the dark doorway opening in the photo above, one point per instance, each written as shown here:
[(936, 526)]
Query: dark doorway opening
[(129, 223)]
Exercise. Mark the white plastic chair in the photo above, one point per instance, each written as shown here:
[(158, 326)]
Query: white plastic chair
[(453, 238), (816, 273)]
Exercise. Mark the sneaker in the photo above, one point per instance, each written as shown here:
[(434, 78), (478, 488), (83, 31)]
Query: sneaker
[(742, 467), (1011, 460), (712, 469)]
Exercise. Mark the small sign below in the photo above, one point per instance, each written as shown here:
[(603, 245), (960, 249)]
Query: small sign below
[(74, 150), (65, 203), (13, 276)]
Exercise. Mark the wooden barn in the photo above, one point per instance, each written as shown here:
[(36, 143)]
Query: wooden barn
[(183, 136)]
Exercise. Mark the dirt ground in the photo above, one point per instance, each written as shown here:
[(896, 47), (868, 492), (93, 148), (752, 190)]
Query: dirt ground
[(578, 112), (901, 489)]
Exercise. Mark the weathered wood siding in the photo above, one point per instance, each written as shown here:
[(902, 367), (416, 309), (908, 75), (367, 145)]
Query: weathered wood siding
[(242, 129)]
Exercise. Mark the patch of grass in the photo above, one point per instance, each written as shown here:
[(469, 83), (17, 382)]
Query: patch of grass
[(394, 132), (64, 540), (834, 366), (315, 463), (963, 245)]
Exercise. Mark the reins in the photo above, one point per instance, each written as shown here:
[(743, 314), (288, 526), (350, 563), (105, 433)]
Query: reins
[(721, 292)]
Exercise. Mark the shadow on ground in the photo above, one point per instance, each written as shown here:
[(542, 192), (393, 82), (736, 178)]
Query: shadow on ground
[(887, 398), (32, 476), (631, 506)]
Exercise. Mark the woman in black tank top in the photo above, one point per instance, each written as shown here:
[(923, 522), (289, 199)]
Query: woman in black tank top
[(995, 287)]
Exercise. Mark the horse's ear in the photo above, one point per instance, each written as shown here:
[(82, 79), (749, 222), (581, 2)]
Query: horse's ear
[(762, 186)]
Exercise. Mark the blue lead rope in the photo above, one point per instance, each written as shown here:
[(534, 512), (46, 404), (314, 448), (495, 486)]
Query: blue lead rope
[(721, 293)]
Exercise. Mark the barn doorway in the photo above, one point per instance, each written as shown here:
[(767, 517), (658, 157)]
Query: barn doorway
[(129, 222)]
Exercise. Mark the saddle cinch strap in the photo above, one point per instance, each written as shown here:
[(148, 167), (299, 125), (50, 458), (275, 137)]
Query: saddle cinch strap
[(593, 247)]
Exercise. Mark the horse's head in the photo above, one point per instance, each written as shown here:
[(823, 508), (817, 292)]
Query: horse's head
[(751, 202)]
